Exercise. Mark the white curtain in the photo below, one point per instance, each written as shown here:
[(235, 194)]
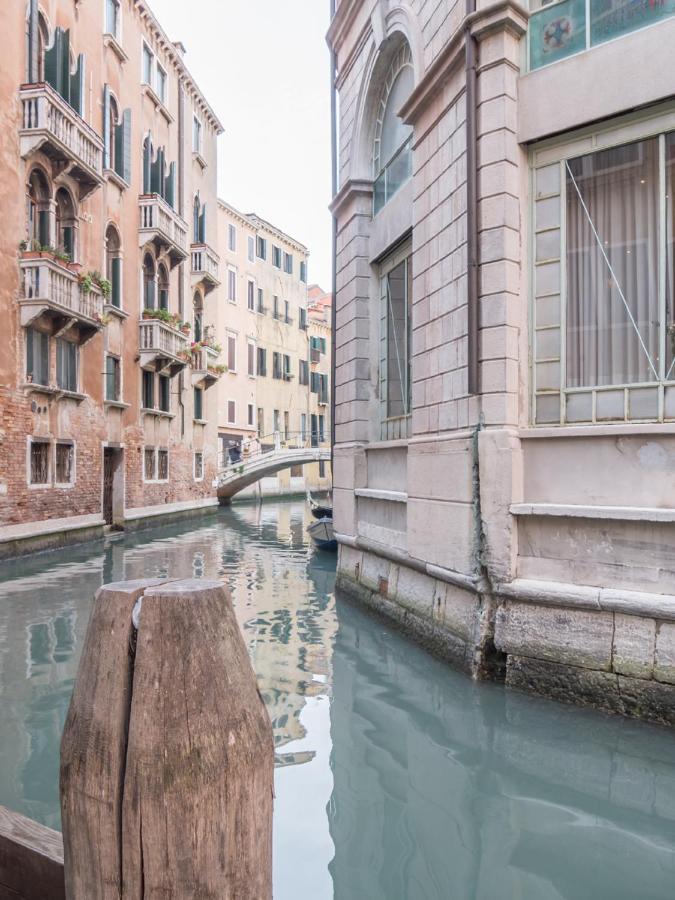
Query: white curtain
[(612, 266)]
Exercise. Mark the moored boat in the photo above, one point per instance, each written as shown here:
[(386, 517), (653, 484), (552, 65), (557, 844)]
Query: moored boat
[(321, 532)]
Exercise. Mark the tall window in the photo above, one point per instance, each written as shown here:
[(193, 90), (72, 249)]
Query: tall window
[(303, 373), (164, 393), (262, 361), (250, 295), (112, 378), (231, 412), (162, 465), (148, 390), (392, 149), (288, 263), (39, 462), (147, 64), (196, 135), (148, 282), (251, 357), (275, 307), (149, 458), (276, 256), (66, 222), (396, 292), (232, 285), (251, 248), (250, 414), (113, 264), (198, 317), (231, 353), (163, 287), (303, 271), (112, 17), (199, 465), (65, 462), (261, 248), (37, 356), (198, 403), (66, 365), (37, 208), (261, 301), (161, 83), (232, 237), (276, 365)]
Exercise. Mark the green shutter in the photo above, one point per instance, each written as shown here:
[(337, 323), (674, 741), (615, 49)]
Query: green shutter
[(147, 165), (116, 272), (123, 147), (33, 42), (52, 57), (202, 225), (107, 136), (170, 190), (63, 62), (76, 84), (154, 175), (30, 363)]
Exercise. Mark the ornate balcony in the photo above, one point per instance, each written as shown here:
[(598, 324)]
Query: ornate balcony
[(163, 226), (204, 267), (53, 127), (52, 299), (204, 372), (161, 347)]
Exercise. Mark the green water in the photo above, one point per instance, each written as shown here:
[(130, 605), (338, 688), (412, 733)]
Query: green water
[(397, 778)]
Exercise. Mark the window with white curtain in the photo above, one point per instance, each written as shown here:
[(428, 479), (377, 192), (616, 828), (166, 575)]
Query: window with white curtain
[(604, 284)]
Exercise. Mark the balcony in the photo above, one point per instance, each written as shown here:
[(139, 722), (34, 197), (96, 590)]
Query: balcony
[(161, 347), (204, 267), (53, 127), (162, 225), (53, 300), (205, 370)]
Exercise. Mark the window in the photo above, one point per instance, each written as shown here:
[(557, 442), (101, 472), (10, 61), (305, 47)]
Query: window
[(288, 263), (66, 365), (112, 378), (232, 353), (261, 248), (303, 427), (148, 282), (197, 317), (161, 83), (249, 418), (148, 390), (322, 468), (303, 271), (112, 17), (232, 285), (396, 291), (198, 403), (250, 295), (231, 412), (392, 150), (197, 136), (261, 421), (275, 307), (287, 367), (39, 462), (37, 357), (65, 462), (302, 322), (276, 365), (164, 393), (66, 223), (113, 265), (287, 312), (162, 465), (261, 301), (262, 361), (251, 358), (199, 466), (116, 137), (275, 418), (276, 256), (232, 237), (322, 437), (38, 200), (287, 426), (147, 64), (163, 287), (149, 463), (251, 248), (303, 373)]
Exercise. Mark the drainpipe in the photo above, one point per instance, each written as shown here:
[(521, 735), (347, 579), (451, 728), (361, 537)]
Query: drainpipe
[(471, 56), (334, 188)]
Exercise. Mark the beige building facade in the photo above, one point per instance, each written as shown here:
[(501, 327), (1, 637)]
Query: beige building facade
[(108, 161), (505, 418)]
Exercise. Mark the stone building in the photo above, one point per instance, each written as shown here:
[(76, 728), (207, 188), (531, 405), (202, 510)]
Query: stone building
[(276, 350), (505, 408), (108, 164)]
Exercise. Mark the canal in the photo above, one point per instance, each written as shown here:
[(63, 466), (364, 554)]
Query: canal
[(397, 778)]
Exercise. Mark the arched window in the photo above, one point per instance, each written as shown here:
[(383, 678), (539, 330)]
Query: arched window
[(392, 148), (198, 311), (148, 282), (66, 222), (163, 284), (113, 122), (113, 264), (37, 208)]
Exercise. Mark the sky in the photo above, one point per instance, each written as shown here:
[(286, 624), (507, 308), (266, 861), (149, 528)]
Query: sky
[(264, 67)]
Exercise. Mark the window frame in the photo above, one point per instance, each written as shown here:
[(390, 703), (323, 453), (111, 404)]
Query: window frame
[(117, 32), (231, 284), (392, 427), (117, 378), (64, 442), (161, 79), (43, 442), (261, 245), (198, 470), (197, 135), (250, 294), (250, 248), (231, 419), (251, 357), (147, 53), (231, 237)]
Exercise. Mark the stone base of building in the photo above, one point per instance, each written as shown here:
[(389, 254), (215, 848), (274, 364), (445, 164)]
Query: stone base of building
[(155, 516), (52, 534), (574, 644)]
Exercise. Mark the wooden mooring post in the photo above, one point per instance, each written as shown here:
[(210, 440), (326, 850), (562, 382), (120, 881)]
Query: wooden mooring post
[(167, 755)]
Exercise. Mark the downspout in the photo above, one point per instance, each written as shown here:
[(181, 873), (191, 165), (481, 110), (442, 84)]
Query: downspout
[(471, 57), (181, 207), (334, 189)]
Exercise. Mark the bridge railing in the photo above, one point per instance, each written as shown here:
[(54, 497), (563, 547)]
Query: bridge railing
[(264, 445)]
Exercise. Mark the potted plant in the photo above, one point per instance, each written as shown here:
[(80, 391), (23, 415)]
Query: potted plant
[(185, 327), (86, 282), (148, 313)]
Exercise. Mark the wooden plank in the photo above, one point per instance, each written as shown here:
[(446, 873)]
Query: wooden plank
[(31, 859)]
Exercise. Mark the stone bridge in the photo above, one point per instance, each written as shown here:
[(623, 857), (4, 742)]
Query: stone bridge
[(240, 474)]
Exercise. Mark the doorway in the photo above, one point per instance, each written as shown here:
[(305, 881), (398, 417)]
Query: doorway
[(113, 486)]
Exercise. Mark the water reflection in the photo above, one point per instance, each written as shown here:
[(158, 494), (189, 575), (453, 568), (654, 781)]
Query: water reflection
[(397, 779)]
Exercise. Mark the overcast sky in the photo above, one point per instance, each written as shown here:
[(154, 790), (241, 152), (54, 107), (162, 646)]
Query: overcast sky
[(263, 65)]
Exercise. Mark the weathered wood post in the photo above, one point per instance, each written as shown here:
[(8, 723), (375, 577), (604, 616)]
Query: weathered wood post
[(167, 756)]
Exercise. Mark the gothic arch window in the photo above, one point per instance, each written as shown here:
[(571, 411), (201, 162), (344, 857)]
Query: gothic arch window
[(198, 312), (148, 282), (163, 286), (113, 264), (111, 131), (66, 222), (37, 207), (392, 145)]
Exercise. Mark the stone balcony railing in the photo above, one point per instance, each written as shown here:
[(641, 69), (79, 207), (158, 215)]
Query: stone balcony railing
[(51, 125), (53, 299), (204, 266), (203, 361), (161, 347), (163, 226)]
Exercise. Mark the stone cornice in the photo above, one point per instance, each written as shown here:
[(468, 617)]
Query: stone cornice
[(504, 15), (350, 190), (342, 21)]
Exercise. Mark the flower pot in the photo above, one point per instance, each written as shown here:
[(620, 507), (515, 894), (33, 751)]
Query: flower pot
[(75, 267)]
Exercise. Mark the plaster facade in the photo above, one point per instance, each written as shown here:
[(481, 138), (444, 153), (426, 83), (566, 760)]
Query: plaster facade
[(108, 157), (518, 524)]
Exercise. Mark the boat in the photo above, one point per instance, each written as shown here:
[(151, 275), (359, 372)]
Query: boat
[(319, 510), (321, 532)]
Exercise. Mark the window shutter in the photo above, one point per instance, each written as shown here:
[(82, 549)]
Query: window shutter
[(63, 62), (116, 272), (107, 137), (33, 43), (147, 165), (154, 174), (30, 364), (170, 189), (123, 147), (76, 86), (52, 61), (44, 357), (202, 225)]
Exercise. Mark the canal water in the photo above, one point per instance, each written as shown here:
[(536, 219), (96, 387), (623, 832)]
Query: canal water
[(397, 778)]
